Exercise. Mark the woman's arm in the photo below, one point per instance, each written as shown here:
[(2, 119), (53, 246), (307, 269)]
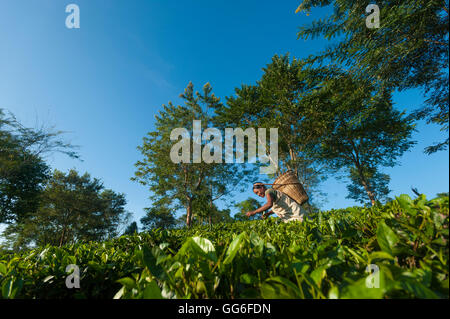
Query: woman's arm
[(263, 208)]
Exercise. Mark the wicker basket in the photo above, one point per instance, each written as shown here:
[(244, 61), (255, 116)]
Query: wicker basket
[(289, 184)]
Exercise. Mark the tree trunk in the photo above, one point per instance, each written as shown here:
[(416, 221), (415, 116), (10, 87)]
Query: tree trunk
[(62, 237), (361, 174), (189, 213), (293, 158), (366, 186), (369, 192), (65, 224), (210, 207)]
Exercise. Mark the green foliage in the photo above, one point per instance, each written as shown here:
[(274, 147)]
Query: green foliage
[(158, 216), (278, 101), (131, 229), (409, 50), (358, 131), (22, 176), (325, 257), (378, 181), (182, 185), (248, 205), (72, 208), (23, 170)]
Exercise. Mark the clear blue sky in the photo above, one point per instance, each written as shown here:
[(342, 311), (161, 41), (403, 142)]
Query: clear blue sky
[(105, 81)]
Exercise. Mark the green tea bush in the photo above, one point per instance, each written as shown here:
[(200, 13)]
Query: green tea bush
[(330, 255)]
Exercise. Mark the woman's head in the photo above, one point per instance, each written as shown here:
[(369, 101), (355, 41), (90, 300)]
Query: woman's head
[(259, 189)]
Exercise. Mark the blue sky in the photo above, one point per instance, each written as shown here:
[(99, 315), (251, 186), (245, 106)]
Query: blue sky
[(104, 82)]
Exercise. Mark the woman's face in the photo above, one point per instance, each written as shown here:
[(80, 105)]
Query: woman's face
[(259, 190)]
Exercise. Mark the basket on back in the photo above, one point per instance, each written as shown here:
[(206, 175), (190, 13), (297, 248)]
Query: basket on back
[(289, 184)]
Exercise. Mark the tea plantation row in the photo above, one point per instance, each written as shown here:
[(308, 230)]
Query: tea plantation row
[(399, 250)]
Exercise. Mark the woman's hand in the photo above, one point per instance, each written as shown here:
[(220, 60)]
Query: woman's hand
[(249, 214)]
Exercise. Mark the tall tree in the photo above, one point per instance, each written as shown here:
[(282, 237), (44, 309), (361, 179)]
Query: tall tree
[(23, 170), (409, 50), (359, 132), (73, 208), (276, 101), (22, 176), (368, 181), (182, 182)]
